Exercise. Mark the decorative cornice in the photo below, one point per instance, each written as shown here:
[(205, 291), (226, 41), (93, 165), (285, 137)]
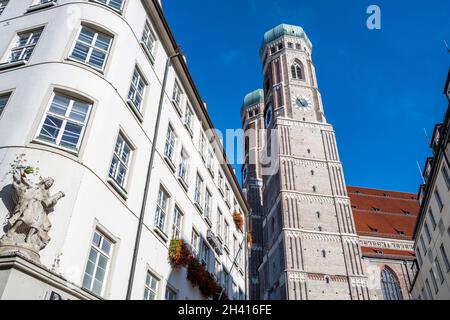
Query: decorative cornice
[(380, 243)]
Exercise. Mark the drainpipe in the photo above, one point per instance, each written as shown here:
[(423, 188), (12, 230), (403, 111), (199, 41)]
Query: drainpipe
[(149, 174)]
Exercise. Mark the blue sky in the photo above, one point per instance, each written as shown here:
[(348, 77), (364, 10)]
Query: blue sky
[(380, 88)]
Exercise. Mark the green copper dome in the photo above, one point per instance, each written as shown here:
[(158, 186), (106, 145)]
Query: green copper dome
[(251, 99), (283, 30)]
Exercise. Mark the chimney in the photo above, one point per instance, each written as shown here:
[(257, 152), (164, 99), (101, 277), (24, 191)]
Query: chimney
[(205, 105)]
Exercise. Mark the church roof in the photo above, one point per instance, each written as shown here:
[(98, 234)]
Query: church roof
[(251, 99), (384, 214), (282, 30)]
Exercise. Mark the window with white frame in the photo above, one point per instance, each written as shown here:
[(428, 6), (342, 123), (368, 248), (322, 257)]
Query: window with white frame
[(120, 163), (235, 247), (38, 4), (219, 222), (208, 204), (3, 4), (92, 48), (149, 40), (195, 243), (177, 223), (177, 95), (65, 122), (221, 182), (183, 166), (137, 89), (151, 287), (205, 254), (116, 5), (98, 263), (4, 98), (24, 46), (202, 145), (198, 190), (170, 294), (446, 176), (171, 140), (226, 233), (210, 163), (227, 194), (162, 207), (189, 118)]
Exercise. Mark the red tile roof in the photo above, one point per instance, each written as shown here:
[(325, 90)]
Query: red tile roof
[(385, 253), (384, 214)]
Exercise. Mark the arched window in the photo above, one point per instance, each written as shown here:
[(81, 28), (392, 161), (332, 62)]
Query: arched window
[(390, 285), (297, 70)]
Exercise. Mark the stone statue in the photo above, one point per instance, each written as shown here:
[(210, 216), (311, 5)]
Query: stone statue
[(29, 223)]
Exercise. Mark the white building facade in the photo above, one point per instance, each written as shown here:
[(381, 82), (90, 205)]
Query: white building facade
[(432, 232), (96, 95)]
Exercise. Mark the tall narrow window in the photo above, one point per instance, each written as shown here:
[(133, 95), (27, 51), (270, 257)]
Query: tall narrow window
[(177, 95), (419, 256), (177, 223), (297, 70), (227, 194), (121, 161), (434, 280), (116, 5), (446, 176), (3, 4), (202, 145), (92, 48), (4, 98), (427, 286), (424, 247), (445, 257), (161, 209), (439, 269), (198, 190), (98, 264), (137, 88), (151, 287), (432, 219), (170, 144), (390, 285), (65, 122), (221, 183), (183, 166), (205, 254), (170, 294), (427, 232), (219, 222), (149, 40), (195, 243), (24, 46), (226, 233), (207, 207), (189, 119), (439, 199)]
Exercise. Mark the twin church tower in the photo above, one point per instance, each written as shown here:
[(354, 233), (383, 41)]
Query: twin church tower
[(305, 245)]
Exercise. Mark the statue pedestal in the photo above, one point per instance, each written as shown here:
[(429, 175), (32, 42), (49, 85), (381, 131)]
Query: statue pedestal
[(24, 279), (20, 251)]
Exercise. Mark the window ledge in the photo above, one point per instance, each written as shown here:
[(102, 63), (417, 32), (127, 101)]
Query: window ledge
[(135, 110), (170, 163), (118, 11), (51, 145), (41, 6), (99, 71), (183, 184), (208, 221), (161, 234), (118, 188), (8, 65), (211, 172), (199, 207)]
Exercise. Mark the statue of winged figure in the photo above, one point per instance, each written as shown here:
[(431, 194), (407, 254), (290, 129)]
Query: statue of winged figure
[(29, 222)]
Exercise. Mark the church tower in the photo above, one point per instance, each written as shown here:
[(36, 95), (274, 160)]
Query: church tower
[(310, 245), (252, 114)]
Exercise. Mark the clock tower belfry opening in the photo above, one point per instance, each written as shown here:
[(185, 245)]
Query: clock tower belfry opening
[(309, 245)]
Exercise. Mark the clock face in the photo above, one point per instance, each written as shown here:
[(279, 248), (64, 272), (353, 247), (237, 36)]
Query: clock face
[(303, 103), (269, 117)]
